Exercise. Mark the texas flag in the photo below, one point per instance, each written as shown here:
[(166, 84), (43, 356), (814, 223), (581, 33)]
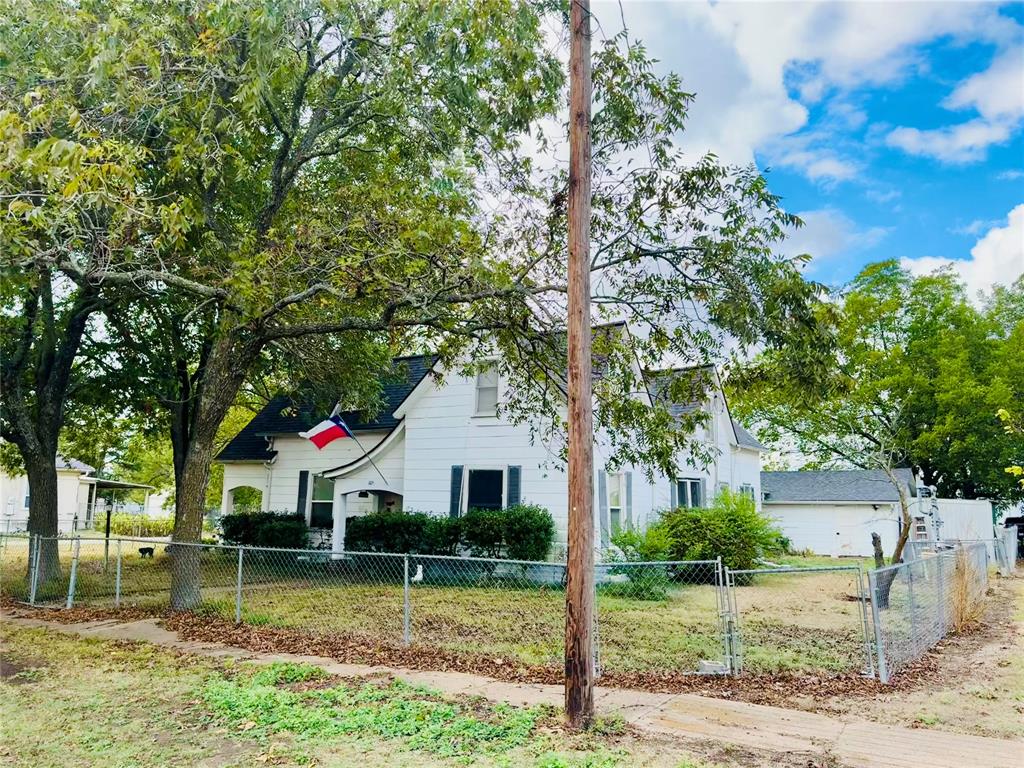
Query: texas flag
[(327, 431)]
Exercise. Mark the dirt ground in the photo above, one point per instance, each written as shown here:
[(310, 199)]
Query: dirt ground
[(972, 683)]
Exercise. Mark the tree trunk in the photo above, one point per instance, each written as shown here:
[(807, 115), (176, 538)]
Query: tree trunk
[(883, 581), (195, 424), (42, 518)]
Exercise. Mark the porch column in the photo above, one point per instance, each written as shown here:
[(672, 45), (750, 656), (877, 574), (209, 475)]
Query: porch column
[(338, 530)]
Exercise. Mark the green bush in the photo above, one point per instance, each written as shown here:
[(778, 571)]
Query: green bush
[(731, 528), (122, 524), (521, 532), (483, 532), (283, 533), (646, 582), (528, 532), (264, 529)]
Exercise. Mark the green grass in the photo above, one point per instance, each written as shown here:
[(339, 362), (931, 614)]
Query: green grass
[(67, 701), (790, 623)]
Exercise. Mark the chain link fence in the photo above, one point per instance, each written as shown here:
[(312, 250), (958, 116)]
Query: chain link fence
[(660, 618), (998, 552), (800, 620), (918, 602)]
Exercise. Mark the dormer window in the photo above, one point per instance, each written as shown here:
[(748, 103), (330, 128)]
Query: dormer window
[(487, 391)]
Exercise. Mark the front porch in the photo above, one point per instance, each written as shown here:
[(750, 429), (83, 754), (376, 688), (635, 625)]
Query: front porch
[(333, 501)]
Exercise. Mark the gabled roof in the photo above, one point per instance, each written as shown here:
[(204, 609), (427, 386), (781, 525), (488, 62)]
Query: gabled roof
[(868, 485), (745, 438), (283, 417), (81, 466)]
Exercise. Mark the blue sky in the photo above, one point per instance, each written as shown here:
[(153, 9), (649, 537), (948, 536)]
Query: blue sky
[(896, 130)]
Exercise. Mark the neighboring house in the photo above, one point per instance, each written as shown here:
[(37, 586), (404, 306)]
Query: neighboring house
[(443, 449), (834, 512), (76, 490), (82, 498)]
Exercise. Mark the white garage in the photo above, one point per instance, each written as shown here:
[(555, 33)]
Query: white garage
[(834, 512)]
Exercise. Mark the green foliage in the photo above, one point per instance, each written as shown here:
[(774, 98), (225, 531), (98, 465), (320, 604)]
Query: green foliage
[(731, 528), (1013, 427), (396, 710), (265, 529), (483, 532), (918, 377), (522, 532), (528, 532), (136, 525), (646, 582)]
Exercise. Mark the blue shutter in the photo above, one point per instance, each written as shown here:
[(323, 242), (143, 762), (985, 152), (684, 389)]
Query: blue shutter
[(514, 486), (455, 499), (602, 501), (629, 500), (303, 489)]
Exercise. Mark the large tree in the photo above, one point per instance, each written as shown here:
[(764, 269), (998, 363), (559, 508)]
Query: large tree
[(338, 182), (919, 376)]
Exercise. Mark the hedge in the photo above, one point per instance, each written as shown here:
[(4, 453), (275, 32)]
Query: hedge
[(520, 532), (123, 524), (282, 530)]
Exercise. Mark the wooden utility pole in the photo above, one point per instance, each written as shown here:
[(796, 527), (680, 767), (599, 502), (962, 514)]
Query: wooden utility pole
[(579, 593)]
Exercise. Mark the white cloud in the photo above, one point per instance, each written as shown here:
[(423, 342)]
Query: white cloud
[(744, 59), (996, 94), (828, 233), (1011, 175), (956, 144), (975, 228), (998, 257)]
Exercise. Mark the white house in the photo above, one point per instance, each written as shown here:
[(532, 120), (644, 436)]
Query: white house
[(834, 512), (443, 449), (81, 500)]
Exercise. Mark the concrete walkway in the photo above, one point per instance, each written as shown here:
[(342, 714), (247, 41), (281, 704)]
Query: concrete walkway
[(771, 729)]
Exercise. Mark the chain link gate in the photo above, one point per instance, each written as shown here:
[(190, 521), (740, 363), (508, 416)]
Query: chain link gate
[(826, 624)]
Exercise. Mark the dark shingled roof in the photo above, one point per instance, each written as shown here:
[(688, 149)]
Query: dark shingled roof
[(281, 416), (870, 485), (745, 438), (699, 380)]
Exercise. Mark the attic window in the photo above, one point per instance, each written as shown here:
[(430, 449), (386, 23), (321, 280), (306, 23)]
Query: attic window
[(487, 392)]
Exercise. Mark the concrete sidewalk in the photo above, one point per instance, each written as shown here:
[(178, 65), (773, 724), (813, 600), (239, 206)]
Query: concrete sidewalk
[(752, 726)]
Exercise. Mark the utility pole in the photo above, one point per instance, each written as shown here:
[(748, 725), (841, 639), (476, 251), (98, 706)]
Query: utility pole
[(579, 593)]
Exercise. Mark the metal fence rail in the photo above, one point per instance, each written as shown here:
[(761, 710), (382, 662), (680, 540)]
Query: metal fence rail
[(998, 551), (916, 603)]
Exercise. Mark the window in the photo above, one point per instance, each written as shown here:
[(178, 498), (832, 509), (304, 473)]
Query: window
[(615, 501), (747, 490), (689, 493), (487, 392), (321, 505), (485, 489)]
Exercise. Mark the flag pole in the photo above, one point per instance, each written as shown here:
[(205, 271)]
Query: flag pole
[(337, 410)]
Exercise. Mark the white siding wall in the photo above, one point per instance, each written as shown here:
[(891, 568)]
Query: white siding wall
[(836, 529), (71, 498), (964, 518)]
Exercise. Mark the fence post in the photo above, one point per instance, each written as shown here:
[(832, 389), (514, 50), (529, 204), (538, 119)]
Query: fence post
[(939, 596), (883, 672), (913, 607), (117, 578), (406, 606), (869, 668), (238, 589), (34, 568), (74, 572)]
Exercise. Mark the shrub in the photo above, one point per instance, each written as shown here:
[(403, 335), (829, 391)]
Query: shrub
[(386, 532), (442, 536), (646, 582), (247, 529), (528, 532), (283, 532), (731, 528), (483, 532), (122, 524)]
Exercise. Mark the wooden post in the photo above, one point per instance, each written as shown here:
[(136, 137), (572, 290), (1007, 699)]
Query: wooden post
[(579, 593)]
